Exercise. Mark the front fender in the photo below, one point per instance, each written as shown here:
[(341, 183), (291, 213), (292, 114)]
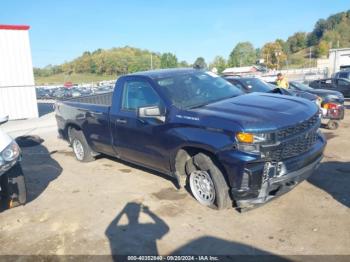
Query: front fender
[(210, 140)]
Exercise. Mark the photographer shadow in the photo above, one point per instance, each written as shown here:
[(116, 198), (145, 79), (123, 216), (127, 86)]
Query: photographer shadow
[(135, 238)]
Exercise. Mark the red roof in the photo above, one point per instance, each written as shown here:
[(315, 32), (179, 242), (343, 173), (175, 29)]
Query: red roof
[(14, 27), (68, 84)]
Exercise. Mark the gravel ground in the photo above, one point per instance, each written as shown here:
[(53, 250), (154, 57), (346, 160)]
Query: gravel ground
[(108, 206)]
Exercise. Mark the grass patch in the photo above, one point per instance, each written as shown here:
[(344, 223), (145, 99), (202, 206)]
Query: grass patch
[(60, 79), (301, 59)]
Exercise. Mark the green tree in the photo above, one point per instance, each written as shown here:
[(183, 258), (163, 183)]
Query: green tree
[(219, 63), (322, 49), (243, 54), (273, 54), (296, 42), (183, 63), (283, 44), (200, 63), (168, 60)]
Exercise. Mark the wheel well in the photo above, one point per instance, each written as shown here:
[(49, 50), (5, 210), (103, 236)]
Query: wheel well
[(185, 153), (68, 128)]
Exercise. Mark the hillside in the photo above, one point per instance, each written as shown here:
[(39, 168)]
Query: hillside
[(75, 78), (333, 32)]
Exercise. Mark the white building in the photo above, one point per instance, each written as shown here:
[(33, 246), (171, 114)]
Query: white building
[(17, 90), (243, 70), (338, 59)]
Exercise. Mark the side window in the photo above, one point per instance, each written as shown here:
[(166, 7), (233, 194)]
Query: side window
[(343, 75), (138, 93), (240, 86)]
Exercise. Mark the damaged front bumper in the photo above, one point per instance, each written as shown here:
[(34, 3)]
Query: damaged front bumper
[(254, 181), (275, 186)]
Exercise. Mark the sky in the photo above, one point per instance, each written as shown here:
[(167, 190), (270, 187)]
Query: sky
[(62, 30)]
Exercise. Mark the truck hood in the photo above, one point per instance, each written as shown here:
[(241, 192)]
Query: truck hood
[(259, 112)]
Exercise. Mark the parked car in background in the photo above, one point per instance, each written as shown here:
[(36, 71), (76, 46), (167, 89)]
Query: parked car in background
[(332, 104), (64, 93), (251, 85), (226, 146), (42, 93), (84, 91), (325, 94), (13, 190), (343, 74), (104, 89), (341, 85)]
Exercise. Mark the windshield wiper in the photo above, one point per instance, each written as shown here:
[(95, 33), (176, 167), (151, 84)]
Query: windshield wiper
[(210, 102)]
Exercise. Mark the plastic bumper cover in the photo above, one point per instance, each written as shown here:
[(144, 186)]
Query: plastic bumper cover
[(276, 186)]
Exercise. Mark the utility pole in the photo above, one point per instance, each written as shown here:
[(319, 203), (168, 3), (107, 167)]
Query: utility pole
[(151, 61), (310, 57)]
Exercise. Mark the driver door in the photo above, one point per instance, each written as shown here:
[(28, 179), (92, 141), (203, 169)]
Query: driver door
[(134, 139), (343, 87)]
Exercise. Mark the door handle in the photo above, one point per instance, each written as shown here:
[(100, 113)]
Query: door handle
[(121, 121)]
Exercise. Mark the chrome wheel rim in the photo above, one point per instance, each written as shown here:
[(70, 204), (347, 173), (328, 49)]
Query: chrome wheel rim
[(78, 149), (202, 187)]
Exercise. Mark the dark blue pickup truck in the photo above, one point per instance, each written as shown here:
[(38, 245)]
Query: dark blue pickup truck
[(226, 146)]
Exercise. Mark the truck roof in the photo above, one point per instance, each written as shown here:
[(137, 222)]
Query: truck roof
[(162, 73)]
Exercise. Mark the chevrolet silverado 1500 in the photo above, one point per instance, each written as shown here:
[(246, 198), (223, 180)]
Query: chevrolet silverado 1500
[(226, 146)]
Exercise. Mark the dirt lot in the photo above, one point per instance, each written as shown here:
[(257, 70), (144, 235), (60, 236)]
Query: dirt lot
[(109, 206)]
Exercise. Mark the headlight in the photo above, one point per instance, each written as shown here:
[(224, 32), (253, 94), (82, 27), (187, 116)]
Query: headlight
[(250, 142), (10, 153), (252, 138)]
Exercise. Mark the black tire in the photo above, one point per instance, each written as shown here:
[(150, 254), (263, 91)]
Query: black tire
[(87, 153), (14, 187), (333, 125), (204, 162)]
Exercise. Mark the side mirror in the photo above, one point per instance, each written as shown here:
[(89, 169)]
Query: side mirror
[(150, 112), (4, 119)]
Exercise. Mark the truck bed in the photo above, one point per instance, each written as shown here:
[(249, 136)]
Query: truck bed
[(100, 99)]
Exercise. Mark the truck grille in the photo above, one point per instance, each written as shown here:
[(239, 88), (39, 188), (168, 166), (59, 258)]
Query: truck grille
[(291, 131), (295, 140), (293, 147)]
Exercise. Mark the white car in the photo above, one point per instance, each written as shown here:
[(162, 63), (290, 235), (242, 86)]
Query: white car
[(12, 183)]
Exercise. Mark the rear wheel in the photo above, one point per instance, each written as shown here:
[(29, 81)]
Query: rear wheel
[(81, 149), (207, 183), (332, 125)]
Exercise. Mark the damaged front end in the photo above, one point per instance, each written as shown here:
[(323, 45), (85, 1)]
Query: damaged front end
[(292, 157), (276, 181)]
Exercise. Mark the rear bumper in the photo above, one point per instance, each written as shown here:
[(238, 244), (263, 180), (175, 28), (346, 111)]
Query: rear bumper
[(334, 114), (278, 186)]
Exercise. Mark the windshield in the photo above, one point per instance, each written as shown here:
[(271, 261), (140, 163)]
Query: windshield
[(300, 86), (256, 85), (196, 89)]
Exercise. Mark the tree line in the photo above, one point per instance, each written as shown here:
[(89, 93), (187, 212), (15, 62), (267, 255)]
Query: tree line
[(333, 32)]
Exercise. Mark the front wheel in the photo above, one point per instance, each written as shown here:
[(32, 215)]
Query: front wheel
[(207, 182)]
